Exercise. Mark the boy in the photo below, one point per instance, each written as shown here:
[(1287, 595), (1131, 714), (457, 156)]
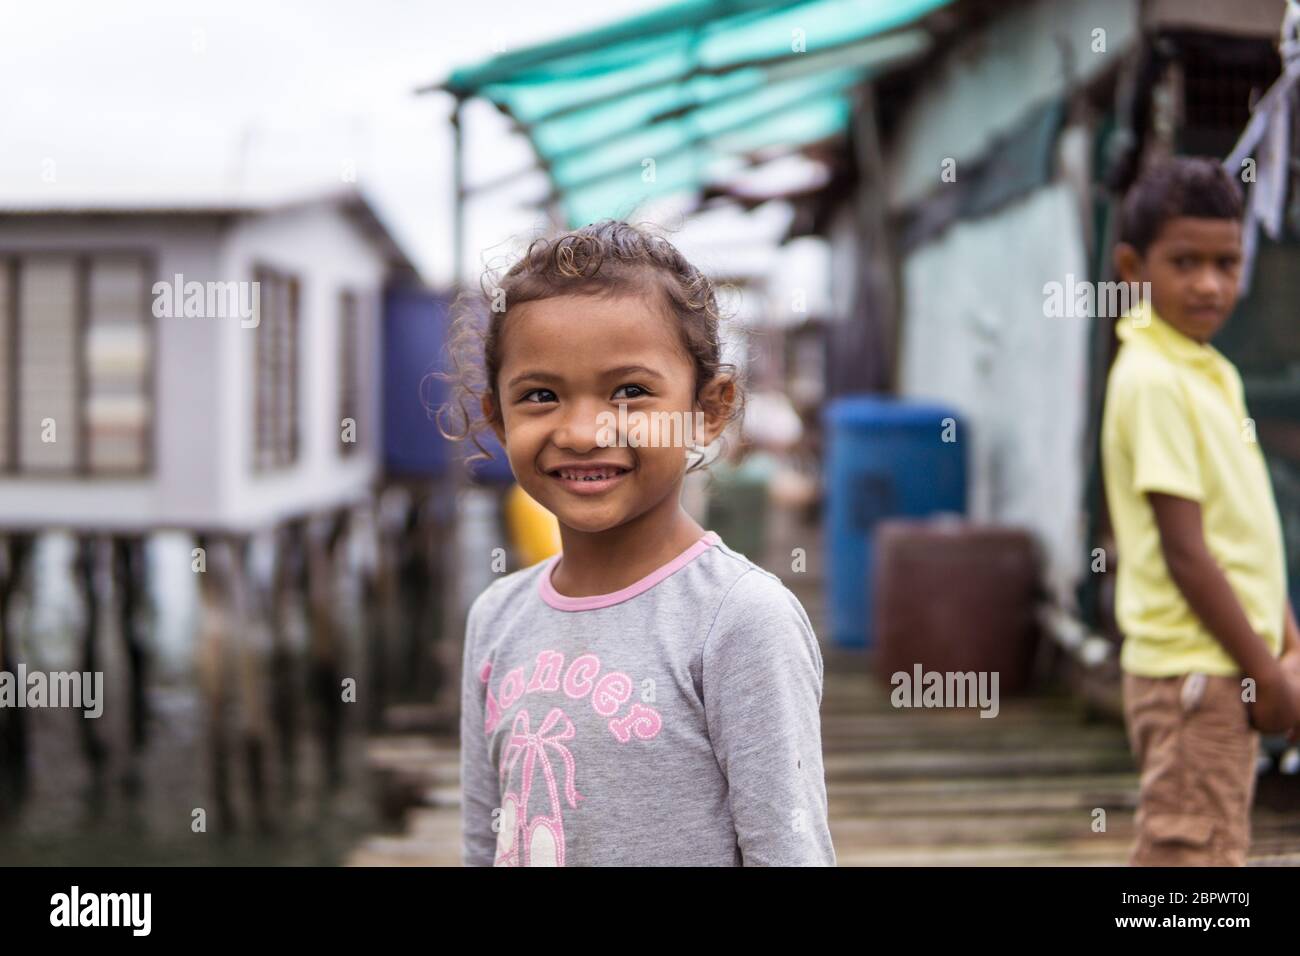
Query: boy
[(1211, 654)]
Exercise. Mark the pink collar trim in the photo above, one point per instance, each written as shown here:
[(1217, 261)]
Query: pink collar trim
[(563, 602)]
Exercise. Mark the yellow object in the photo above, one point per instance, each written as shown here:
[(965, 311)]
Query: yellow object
[(534, 532), (1176, 422)]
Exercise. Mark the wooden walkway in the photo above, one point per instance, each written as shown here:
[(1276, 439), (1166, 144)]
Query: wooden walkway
[(905, 787)]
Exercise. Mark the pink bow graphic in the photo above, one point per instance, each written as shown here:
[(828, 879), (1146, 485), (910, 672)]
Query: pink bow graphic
[(531, 746)]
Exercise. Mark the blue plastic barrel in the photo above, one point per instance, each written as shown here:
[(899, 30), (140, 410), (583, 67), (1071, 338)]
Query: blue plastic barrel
[(885, 457), (415, 333)]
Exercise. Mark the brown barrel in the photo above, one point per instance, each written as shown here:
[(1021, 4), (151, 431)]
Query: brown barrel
[(955, 597)]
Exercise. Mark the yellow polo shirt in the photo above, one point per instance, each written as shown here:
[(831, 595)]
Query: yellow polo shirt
[(1176, 422)]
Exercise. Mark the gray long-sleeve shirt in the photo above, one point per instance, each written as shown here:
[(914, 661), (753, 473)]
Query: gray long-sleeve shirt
[(675, 722)]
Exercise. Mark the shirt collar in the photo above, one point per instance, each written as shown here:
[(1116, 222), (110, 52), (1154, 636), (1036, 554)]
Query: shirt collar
[(1143, 323)]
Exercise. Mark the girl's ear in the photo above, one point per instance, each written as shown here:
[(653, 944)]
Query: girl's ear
[(717, 401), (490, 415)]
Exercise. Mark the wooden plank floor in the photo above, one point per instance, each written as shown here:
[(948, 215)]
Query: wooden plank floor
[(905, 787)]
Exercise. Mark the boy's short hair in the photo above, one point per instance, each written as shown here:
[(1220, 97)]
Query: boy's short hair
[(1195, 186)]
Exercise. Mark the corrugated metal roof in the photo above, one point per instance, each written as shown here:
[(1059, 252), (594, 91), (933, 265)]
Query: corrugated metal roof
[(665, 101)]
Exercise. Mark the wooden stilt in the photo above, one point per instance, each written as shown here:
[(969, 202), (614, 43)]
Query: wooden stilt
[(443, 650), (129, 576), (375, 628), (254, 721), (392, 519), (415, 588), (14, 781), (210, 658), (326, 663), (284, 695), (87, 567)]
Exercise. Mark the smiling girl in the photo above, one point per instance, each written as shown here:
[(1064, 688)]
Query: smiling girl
[(648, 696)]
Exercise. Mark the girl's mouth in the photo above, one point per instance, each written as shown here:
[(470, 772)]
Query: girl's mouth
[(588, 479)]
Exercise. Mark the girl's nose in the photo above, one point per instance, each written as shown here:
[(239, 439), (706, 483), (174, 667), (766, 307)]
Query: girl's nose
[(579, 428)]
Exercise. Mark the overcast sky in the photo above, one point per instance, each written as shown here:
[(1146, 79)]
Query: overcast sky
[(172, 99)]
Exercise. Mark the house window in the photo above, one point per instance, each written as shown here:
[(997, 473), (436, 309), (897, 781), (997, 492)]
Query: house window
[(349, 372), (117, 373), (76, 352), (275, 371)]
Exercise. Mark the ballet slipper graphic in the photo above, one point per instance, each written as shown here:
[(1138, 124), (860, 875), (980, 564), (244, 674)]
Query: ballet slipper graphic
[(545, 842), (541, 839), (508, 836)]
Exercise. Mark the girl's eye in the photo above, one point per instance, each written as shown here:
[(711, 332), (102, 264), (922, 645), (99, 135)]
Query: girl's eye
[(638, 391), (546, 396)]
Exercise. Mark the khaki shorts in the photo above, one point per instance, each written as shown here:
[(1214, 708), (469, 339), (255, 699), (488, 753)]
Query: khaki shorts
[(1196, 750)]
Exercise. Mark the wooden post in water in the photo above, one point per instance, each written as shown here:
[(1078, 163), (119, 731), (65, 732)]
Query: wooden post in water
[(212, 669), (254, 720), (326, 663), (13, 732), (413, 586), (444, 646), (87, 563), (286, 583), (129, 579), (376, 595)]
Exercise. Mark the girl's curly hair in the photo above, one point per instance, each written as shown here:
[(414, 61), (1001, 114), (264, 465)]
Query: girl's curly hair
[(606, 258)]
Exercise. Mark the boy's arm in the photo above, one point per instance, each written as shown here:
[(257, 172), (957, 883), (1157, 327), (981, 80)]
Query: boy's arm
[(1208, 593), (1290, 633)]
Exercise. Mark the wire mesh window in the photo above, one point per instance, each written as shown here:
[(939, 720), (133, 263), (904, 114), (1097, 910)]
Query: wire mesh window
[(1222, 78), (76, 354), (275, 371)]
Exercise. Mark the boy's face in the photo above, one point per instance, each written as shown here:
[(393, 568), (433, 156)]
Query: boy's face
[(1194, 269), (565, 361)]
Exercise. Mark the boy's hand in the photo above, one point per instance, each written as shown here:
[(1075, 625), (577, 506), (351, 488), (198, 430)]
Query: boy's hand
[(1277, 697), (1206, 589), (1290, 666)]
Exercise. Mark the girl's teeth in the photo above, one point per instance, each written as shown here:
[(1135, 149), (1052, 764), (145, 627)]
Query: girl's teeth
[(589, 476)]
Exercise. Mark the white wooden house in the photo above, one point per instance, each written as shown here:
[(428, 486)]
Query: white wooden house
[(125, 406), (210, 368)]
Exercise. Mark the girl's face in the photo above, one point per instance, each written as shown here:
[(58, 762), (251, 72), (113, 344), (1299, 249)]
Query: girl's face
[(567, 360)]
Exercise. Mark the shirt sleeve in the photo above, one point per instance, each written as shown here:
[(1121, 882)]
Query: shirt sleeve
[(1162, 439), (480, 788), (762, 682)]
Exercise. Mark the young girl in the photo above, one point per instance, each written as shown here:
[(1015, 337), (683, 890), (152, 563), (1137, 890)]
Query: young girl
[(648, 696)]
